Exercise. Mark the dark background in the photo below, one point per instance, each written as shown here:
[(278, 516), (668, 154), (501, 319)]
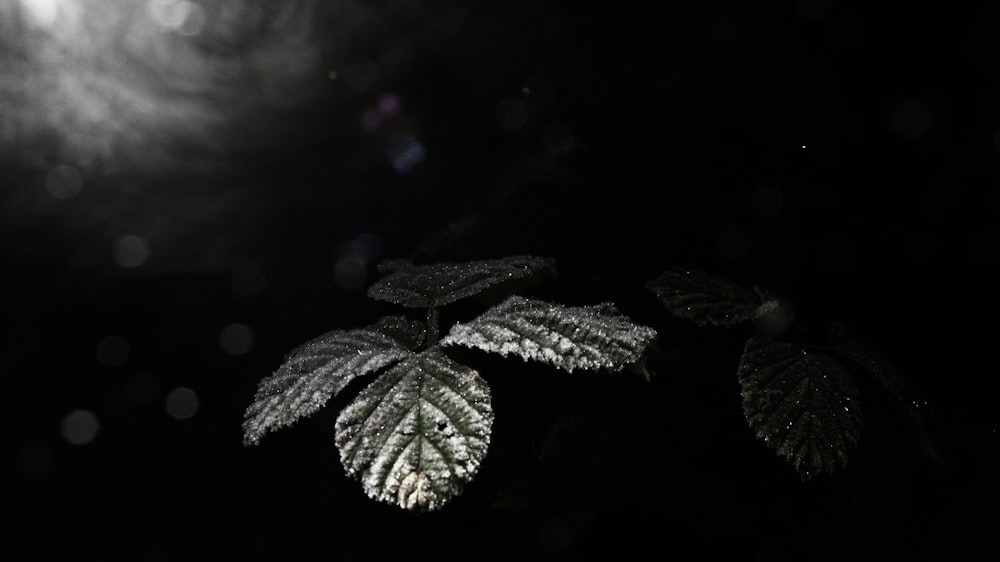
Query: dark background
[(161, 257)]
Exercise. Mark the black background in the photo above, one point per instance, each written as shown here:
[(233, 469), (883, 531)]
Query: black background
[(652, 136)]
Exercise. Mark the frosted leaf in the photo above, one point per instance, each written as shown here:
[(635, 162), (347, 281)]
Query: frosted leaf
[(569, 338), (418, 433), (804, 405), (706, 299), (423, 286), (322, 367)]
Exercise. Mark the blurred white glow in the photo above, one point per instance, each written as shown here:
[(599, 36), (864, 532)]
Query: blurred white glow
[(112, 351), (132, 83), (181, 403), (350, 272), (407, 154), (186, 18), (236, 339), (80, 427), (130, 251), (42, 13), (63, 181)]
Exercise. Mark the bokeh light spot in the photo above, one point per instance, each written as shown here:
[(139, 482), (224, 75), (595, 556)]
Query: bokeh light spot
[(63, 181), (371, 121), (777, 318), (181, 403), (350, 272), (367, 246), (236, 339), (389, 105), (407, 155), (248, 279), (112, 351), (733, 242), (177, 15), (130, 251), (80, 427), (767, 201)]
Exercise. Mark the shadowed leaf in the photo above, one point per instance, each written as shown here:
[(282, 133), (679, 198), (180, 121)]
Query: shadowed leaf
[(706, 299), (918, 412), (424, 286), (804, 405)]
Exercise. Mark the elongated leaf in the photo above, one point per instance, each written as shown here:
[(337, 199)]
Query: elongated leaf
[(569, 338), (321, 368), (417, 434), (804, 405), (706, 299), (423, 286)]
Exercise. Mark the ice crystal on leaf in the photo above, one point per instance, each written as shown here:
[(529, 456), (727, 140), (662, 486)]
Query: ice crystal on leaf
[(416, 435), (321, 368), (804, 405), (423, 286), (570, 338), (708, 300)]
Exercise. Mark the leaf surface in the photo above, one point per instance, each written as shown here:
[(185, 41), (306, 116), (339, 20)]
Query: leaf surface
[(423, 286), (706, 299), (322, 367), (803, 405), (570, 338), (417, 434)]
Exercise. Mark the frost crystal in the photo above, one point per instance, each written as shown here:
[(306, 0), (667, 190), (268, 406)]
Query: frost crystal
[(321, 368), (569, 338), (706, 299), (438, 284), (804, 405), (417, 434)]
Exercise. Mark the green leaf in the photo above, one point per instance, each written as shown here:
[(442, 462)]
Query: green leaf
[(569, 338), (804, 405), (322, 367), (424, 286), (417, 434), (706, 299)]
